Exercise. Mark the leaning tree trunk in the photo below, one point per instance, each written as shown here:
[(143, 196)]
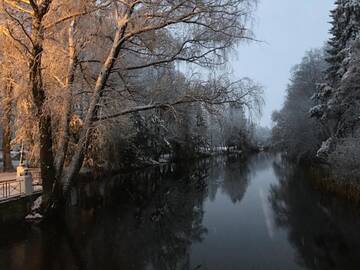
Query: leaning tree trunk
[(6, 125), (65, 121), (78, 157)]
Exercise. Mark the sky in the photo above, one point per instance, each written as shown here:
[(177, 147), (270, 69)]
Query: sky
[(288, 28)]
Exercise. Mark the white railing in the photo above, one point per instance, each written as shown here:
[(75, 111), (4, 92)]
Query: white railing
[(10, 189)]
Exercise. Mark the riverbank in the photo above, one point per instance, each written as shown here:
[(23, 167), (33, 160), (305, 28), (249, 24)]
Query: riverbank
[(164, 160), (323, 180), (15, 209), (347, 191)]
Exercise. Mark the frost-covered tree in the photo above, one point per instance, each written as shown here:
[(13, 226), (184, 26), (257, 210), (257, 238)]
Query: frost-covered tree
[(235, 128), (338, 97)]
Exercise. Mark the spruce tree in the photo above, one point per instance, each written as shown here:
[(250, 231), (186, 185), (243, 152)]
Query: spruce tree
[(337, 97), (345, 31)]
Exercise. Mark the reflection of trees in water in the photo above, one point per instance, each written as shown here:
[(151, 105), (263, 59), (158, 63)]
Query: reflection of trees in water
[(145, 222), (232, 175), (155, 224), (236, 180), (324, 231)]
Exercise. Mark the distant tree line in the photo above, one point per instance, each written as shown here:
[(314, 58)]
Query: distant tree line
[(321, 115), (295, 132)]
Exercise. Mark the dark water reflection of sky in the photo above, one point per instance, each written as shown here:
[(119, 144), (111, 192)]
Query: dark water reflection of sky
[(241, 232), (226, 213)]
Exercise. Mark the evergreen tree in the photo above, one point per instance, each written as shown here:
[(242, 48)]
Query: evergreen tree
[(344, 31), (338, 97)]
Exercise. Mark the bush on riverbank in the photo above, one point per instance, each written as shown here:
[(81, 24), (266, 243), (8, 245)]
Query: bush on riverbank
[(345, 161)]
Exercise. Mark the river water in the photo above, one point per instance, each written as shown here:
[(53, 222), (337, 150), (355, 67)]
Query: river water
[(224, 213)]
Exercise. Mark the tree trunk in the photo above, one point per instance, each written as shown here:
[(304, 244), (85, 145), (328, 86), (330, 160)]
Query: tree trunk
[(65, 121), (6, 125), (46, 156), (38, 94)]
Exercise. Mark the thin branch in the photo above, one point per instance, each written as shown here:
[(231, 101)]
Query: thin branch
[(17, 7)]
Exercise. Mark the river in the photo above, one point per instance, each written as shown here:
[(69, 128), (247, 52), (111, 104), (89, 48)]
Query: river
[(224, 213)]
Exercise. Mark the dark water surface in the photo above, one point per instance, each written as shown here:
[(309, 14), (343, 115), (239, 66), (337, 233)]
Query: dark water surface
[(218, 214)]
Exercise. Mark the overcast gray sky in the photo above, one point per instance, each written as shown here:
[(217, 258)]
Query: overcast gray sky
[(289, 28)]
